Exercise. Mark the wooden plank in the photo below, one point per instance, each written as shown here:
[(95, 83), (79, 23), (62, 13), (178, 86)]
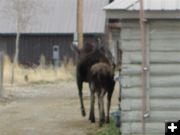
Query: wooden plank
[(165, 33), (134, 33), (155, 69), (167, 36), (155, 104), (129, 82), (162, 25), (155, 116), (165, 24), (131, 69), (165, 45), (131, 45), (162, 81), (155, 57), (136, 128), (155, 93), (130, 24), (130, 34)]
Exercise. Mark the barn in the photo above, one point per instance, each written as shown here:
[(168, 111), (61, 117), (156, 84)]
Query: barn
[(53, 22), (161, 97)]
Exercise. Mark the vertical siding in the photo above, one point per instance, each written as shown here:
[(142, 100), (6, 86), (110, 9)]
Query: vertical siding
[(164, 43), (32, 46)]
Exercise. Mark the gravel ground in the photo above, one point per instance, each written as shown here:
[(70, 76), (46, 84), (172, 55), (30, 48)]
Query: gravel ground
[(49, 109)]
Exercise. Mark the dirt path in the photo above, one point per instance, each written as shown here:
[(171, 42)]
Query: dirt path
[(51, 109)]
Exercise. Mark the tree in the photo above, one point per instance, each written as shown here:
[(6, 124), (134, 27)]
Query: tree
[(21, 12)]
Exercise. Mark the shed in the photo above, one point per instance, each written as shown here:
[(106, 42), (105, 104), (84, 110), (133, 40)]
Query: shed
[(162, 99), (53, 22)]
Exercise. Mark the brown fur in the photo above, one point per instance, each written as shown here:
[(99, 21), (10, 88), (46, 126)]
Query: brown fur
[(101, 82), (88, 56)]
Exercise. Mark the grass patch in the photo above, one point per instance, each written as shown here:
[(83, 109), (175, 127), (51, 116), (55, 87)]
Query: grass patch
[(109, 129), (42, 74)]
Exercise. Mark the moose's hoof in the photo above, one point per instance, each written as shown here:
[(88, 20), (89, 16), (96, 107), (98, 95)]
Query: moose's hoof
[(92, 119), (83, 113)]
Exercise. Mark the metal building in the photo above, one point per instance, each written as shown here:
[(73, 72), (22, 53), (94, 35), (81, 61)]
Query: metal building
[(49, 23)]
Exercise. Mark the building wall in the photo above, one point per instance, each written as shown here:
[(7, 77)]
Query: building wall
[(163, 95), (32, 46)]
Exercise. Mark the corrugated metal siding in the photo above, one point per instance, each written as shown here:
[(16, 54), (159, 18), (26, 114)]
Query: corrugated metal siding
[(32, 46), (163, 40), (148, 5), (94, 16), (57, 16)]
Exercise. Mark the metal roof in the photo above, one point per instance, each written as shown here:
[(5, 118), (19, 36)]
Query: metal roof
[(57, 16), (154, 5)]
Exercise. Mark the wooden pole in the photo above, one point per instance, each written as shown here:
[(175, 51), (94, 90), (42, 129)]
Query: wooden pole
[(144, 65), (1, 74), (80, 23)]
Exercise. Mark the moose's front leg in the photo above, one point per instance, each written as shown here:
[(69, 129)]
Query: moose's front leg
[(79, 84)]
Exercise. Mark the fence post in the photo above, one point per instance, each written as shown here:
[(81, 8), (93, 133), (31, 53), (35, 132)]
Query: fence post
[(1, 74)]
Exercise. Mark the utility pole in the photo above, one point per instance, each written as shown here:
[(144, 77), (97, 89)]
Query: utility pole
[(79, 27)]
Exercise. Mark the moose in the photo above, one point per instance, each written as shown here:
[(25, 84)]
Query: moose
[(88, 56), (101, 81)]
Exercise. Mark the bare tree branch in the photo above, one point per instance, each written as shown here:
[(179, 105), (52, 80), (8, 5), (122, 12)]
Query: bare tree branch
[(20, 12)]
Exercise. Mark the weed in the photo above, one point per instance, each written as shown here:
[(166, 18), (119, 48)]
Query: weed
[(40, 74), (109, 129)]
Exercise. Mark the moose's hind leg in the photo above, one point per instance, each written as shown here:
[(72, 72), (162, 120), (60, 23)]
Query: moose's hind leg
[(91, 115)]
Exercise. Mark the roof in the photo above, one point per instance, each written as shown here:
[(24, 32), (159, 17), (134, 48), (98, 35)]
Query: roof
[(148, 5), (154, 9), (56, 16)]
